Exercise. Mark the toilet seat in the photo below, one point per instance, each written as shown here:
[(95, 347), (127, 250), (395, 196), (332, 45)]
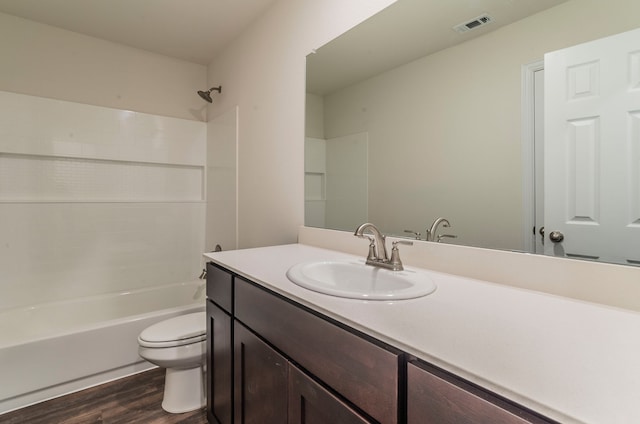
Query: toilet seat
[(178, 331)]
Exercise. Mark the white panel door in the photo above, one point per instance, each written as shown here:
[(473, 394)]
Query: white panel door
[(592, 149), (538, 160)]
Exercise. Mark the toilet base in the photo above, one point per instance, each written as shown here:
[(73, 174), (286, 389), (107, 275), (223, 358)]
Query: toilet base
[(183, 390)]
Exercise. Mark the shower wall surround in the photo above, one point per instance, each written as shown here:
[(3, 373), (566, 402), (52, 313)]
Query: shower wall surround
[(96, 200), (336, 181)]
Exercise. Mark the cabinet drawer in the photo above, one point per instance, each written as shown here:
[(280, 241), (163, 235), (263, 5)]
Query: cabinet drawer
[(220, 287), (437, 398), (363, 372)]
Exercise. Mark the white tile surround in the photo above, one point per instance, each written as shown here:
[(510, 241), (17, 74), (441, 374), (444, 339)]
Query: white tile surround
[(96, 200), (608, 284)]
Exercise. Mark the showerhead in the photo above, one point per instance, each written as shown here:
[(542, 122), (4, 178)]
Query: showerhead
[(206, 95)]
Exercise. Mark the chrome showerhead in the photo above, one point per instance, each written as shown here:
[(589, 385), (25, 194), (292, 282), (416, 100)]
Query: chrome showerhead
[(206, 95)]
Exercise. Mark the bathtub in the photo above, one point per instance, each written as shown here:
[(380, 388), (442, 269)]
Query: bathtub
[(52, 349)]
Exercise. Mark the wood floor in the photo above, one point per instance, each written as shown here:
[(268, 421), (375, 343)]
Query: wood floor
[(134, 399)]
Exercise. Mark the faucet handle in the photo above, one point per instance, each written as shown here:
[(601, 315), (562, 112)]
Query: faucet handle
[(371, 256), (415, 233), (441, 236), (397, 242), (396, 263)]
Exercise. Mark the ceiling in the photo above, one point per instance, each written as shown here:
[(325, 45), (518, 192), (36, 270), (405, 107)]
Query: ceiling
[(405, 31), (191, 30), (197, 30)]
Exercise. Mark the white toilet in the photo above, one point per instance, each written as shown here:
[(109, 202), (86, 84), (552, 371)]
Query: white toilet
[(179, 345)]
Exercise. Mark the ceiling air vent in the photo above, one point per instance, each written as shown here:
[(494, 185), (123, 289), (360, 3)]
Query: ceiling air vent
[(474, 23)]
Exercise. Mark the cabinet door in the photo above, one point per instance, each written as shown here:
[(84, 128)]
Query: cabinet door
[(436, 399), (219, 366), (310, 403), (260, 380)]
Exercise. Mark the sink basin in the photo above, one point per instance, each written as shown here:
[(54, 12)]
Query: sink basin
[(355, 280)]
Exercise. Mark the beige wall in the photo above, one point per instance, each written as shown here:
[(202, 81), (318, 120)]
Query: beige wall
[(45, 61), (445, 130), (263, 73)]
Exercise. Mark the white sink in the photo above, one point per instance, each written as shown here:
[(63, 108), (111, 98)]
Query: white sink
[(355, 280)]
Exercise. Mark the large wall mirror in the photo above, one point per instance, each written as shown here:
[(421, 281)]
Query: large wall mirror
[(409, 119)]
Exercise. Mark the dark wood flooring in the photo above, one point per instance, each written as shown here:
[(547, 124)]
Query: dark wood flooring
[(134, 399)]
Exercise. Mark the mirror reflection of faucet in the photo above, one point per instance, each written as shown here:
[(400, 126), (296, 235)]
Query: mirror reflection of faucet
[(415, 234), (439, 237), (432, 233)]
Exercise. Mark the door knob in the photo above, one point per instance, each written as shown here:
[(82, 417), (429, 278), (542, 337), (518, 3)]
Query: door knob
[(556, 236)]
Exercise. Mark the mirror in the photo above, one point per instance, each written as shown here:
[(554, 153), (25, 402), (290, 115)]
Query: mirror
[(409, 120)]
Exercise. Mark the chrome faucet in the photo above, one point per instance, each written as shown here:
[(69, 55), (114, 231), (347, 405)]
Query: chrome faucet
[(377, 255), (432, 232)]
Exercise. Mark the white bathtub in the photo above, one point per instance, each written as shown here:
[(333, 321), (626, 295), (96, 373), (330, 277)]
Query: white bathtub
[(52, 349)]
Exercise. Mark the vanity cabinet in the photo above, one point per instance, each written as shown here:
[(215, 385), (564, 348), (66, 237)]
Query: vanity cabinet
[(289, 364), (436, 397), (272, 360), (219, 363)]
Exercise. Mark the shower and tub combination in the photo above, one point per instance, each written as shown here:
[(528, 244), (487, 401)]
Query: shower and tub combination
[(103, 216), (52, 349)]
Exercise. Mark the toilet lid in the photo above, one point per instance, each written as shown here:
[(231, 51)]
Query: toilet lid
[(180, 330)]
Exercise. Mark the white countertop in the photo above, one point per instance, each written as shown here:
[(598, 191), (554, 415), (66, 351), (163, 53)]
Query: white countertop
[(573, 361)]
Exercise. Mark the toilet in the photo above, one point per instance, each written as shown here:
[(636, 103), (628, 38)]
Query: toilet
[(179, 345)]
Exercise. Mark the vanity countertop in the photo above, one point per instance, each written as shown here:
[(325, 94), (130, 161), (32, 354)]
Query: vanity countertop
[(574, 361)]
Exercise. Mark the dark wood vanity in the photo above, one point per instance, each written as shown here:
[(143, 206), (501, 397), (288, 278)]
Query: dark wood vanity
[(272, 360)]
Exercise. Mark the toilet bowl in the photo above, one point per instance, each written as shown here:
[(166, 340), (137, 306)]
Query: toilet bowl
[(179, 345)]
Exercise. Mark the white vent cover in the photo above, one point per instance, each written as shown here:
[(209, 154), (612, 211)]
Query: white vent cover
[(474, 23)]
